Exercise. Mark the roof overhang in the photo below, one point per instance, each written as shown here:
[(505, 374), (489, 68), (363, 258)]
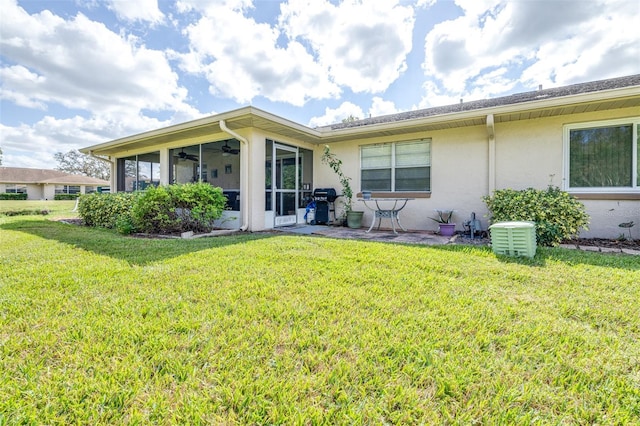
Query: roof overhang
[(598, 101), (251, 117), (247, 117)]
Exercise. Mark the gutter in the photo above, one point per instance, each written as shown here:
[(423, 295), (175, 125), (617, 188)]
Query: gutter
[(244, 176)]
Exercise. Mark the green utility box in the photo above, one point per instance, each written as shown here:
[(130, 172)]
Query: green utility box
[(514, 238)]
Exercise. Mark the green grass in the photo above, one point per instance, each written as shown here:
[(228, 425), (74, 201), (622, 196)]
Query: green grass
[(57, 209), (96, 328)]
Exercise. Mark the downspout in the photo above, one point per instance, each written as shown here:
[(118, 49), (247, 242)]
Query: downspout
[(244, 174), (112, 169), (491, 132)]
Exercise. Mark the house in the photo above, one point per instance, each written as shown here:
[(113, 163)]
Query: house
[(582, 138), (44, 184)]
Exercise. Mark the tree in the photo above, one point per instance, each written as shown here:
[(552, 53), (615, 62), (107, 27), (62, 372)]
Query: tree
[(82, 164), (350, 119), (0, 156)]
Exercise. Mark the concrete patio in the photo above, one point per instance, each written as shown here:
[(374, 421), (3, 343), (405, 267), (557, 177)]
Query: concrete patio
[(383, 235)]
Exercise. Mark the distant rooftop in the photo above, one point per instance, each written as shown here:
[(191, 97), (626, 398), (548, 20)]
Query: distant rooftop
[(574, 89), (26, 175)]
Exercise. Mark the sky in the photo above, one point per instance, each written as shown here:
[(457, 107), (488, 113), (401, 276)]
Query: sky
[(75, 73)]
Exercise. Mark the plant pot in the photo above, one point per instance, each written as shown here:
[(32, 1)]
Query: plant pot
[(354, 219), (447, 229)]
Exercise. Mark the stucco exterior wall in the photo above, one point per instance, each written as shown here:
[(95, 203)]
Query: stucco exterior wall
[(528, 153), (459, 175)]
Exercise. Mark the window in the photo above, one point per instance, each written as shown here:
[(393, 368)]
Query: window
[(397, 166), (13, 188), (139, 171), (67, 189), (603, 156)]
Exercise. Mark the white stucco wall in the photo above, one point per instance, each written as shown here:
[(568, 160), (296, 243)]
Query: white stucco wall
[(528, 153), (459, 175)]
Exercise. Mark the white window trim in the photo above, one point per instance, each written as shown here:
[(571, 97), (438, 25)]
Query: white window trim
[(635, 122), (393, 163)]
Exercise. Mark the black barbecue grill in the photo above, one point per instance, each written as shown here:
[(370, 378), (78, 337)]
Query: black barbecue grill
[(325, 194), (324, 199)]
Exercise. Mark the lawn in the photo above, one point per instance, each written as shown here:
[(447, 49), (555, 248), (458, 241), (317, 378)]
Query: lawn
[(97, 328), (55, 209)]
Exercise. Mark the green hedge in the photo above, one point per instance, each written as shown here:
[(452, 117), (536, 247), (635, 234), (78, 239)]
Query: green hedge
[(106, 210), (156, 210), (12, 196), (65, 196), (178, 208), (557, 215)]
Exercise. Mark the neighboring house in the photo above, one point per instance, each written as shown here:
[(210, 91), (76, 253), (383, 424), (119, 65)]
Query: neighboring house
[(582, 138), (44, 184)]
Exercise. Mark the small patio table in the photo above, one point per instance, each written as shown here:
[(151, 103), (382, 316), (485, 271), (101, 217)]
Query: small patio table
[(384, 209)]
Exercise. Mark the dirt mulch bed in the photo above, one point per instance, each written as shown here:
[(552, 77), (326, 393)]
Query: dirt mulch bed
[(603, 242)]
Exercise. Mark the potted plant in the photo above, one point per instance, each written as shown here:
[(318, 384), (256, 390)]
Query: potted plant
[(444, 217), (353, 217)]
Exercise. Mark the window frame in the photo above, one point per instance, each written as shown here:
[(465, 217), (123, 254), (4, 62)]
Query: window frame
[(634, 122), (66, 189), (394, 167), (15, 188)]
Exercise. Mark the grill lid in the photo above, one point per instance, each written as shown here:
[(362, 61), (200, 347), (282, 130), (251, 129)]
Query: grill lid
[(325, 193)]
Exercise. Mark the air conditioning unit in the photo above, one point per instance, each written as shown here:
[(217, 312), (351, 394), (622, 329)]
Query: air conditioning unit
[(514, 238)]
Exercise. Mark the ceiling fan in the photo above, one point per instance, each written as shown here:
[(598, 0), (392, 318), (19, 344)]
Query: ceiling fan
[(226, 149), (184, 156)]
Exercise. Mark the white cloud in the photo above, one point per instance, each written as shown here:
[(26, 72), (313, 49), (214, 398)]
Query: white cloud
[(137, 10), (314, 50), (497, 44), (34, 145), (332, 116), (362, 45), (81, 64), (241, 58), (381, 107), (425, 3)]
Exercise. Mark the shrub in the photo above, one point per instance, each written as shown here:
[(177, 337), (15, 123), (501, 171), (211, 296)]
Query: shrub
[(557, 214), (153, 212), (65, 196), (12, 196), (178, 208), (105, 210), (157, 210)]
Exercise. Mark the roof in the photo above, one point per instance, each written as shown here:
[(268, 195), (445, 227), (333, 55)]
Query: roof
[(621, 92), (41, 176), (546, 94)]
